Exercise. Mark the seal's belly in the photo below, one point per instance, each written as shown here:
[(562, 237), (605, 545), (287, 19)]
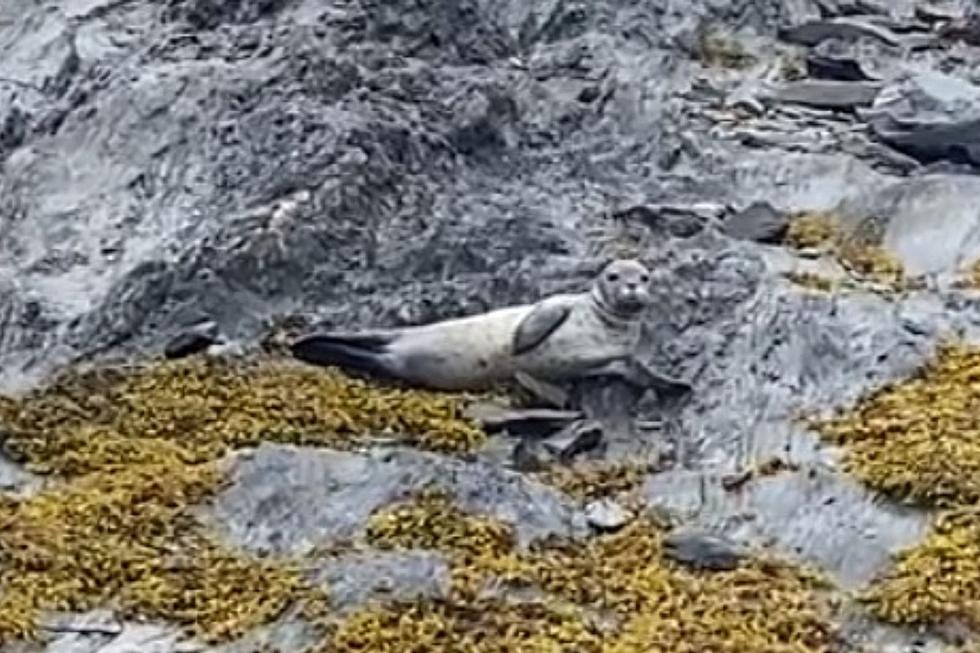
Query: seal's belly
[(468, 353), (558, 361), (577, 346)]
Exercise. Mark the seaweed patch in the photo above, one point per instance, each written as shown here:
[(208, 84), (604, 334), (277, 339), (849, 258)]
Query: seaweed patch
[(865, 260), (131, 450), (125, 538), (918, 441), (937, 581), (615, 593), (594, 480)]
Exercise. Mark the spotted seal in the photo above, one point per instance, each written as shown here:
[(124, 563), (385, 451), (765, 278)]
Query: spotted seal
[(561, 338)]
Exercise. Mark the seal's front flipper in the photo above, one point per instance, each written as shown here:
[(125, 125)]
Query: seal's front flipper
[(670, 391), (537, 325), (548, 392)]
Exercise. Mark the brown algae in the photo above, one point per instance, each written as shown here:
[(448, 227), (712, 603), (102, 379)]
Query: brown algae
[(918, 441), (651, 604), (937, 581), (811, 281), (209, 406), (125, 538), (131, 451), (594, 480), (864, 259)]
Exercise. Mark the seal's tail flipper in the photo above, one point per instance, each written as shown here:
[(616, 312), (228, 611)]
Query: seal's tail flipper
[(351, 352)]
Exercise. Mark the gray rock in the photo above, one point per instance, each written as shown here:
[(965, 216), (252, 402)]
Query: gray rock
[(14, 479), (930, 116), (929, 221), (606, 515), (825, 94), (702, 550), (821, 518), (844, 28), (191, 341), (534, 422), (99, 622), (841, 68), (758, 221), (962, 28), (133, 638), (353, 579), (288, 500), (937, 12), (576, 438)]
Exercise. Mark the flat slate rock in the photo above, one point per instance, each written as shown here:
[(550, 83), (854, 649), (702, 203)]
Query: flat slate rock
[(820, 517), (843, 28), (354, 578), (759, 221), (702, 550), (286, 499), (841, 68), (825, 94), (931, 116)]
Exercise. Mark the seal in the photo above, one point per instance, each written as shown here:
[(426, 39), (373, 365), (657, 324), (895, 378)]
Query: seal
[(560, 338)]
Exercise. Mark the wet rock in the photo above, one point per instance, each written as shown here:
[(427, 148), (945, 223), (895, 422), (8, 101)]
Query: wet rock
[(606, 515), (577, 438), (758, 221), (819, 517), (936, 12), (846, 29), (355, 578), (825, 94), (840, 68), (13, 478), (101, 622), (194, 340), (145, 638), (529, 422), (672, 220), (930, 116), (289, 499), (930, 224), (702, 550), (965, 29)]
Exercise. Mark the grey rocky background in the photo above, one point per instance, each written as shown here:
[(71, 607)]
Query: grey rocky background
[(400, 161)]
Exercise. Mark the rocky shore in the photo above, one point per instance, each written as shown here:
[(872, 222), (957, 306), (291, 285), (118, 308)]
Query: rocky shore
[(184, 182)]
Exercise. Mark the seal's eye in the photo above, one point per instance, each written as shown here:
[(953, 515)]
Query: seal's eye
[(644, 278), (612, 277)]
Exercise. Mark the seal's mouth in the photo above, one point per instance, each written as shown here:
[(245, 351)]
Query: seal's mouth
[(637, 296), (631, 301), (624, 302)]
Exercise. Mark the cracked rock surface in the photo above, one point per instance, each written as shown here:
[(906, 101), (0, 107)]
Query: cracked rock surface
[(166, 165)]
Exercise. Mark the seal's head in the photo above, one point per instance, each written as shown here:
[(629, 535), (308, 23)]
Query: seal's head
[(622, 288)]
